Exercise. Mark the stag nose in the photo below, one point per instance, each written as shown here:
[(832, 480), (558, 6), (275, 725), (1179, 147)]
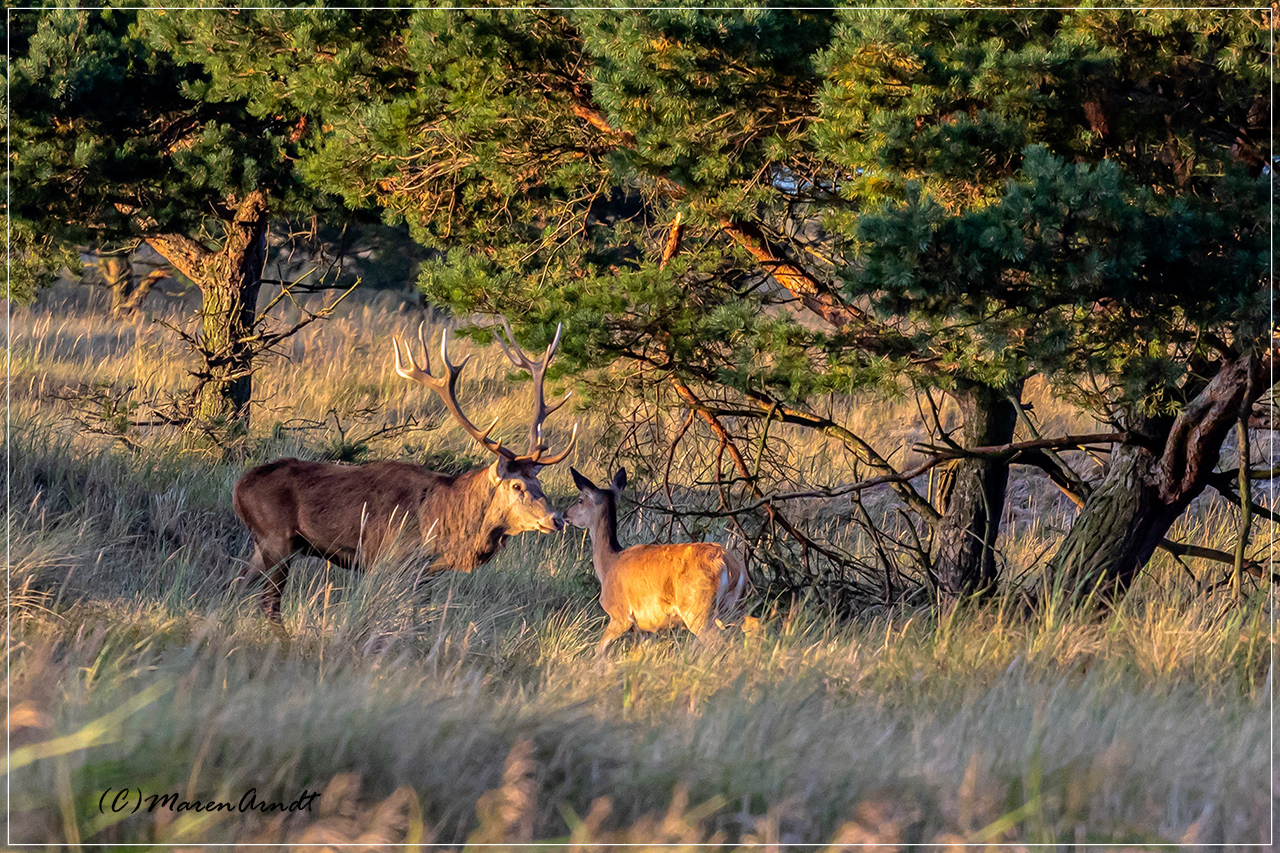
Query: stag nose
[(558, 521)]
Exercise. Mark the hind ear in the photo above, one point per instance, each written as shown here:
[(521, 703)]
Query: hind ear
[(619, 481), (580, 481)]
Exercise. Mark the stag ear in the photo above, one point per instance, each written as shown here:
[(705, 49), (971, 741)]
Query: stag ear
[(582, 482), (619, 481)]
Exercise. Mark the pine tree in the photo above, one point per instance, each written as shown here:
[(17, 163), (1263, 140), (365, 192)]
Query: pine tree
[(763, 206), (1086, 188), (116, 140)]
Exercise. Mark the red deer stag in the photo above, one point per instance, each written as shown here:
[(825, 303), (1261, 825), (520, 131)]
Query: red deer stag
[(349, 514), (652, 587)]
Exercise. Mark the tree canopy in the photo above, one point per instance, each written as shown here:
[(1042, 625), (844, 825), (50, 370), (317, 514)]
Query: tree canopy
[(754, 208)]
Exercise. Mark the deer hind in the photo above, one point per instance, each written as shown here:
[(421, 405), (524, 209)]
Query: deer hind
[(652, 587), (351, 514)]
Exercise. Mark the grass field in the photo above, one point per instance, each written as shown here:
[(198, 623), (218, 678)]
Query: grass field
[(469, 708)]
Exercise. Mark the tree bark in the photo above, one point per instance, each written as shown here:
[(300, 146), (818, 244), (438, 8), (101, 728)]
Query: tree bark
[(1151, 483), (1118, 529), (973, 502), (117, 272), (227, 312), (229, 281)]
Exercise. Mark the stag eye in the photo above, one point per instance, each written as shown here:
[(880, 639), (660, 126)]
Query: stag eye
[(518, 486)]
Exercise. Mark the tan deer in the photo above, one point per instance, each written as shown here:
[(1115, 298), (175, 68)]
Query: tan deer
[(652, 587), (349, 514)]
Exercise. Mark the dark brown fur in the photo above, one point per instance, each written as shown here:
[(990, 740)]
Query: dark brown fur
[(351, 514)]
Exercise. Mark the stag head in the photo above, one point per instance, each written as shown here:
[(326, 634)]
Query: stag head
[(519, 496)]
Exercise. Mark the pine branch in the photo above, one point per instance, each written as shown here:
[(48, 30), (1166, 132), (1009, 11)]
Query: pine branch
[(600, 122), (942, 455), (672, 246), (740, 463), (1006, 450), (797, 281), (1224, 485)]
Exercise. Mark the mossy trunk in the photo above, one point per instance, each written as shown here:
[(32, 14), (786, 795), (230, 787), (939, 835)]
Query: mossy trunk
[(226, 321), (1118, 529), (973, 501), (1151, 481), (229, 281)]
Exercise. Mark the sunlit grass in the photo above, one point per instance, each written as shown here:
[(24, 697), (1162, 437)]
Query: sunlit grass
[(455, 707)]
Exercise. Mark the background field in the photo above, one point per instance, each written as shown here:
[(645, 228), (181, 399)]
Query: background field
[(470, 706)]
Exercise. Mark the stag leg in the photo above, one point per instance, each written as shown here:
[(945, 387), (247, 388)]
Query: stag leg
[(274, 590), (276, 575), (251, 570)]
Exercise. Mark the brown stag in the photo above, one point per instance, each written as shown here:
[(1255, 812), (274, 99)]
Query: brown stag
[(652, 587), (350, 514)]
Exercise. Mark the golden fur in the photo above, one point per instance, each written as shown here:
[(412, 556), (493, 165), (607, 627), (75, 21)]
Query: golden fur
[(653, 587)]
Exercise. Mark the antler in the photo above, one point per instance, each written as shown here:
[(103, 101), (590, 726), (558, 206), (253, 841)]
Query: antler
[(446, 388), (538, 369)]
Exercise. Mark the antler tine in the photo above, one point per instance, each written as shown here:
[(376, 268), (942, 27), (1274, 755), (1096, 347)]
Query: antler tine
[(518, 358), (538, 371), (426, 350), (452, 369), (551, 348), (559, 457), (413, 371), (489, 429), (555, 407), (446, 388)]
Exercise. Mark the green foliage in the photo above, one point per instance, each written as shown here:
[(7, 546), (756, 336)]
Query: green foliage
[(903, 158), (467, 125), (709, 96), (1072, 190), (115, 137), (34, 261), (907, 157), (1077, 269)]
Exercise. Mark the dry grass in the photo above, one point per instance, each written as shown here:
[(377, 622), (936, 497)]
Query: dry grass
[(470, 708)]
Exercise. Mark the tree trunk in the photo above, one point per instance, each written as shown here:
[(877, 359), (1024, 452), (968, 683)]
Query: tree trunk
[(127, 292), (117, 272), (973, 502), (229, 281), (1118, 529), (228, 308), (1151, 482)]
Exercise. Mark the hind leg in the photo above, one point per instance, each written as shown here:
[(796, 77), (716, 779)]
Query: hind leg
[(273, 590), (252, 569), (272, 564), (617, 627)]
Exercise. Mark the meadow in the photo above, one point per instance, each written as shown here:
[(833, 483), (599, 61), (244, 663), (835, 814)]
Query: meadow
[(469, 708)]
